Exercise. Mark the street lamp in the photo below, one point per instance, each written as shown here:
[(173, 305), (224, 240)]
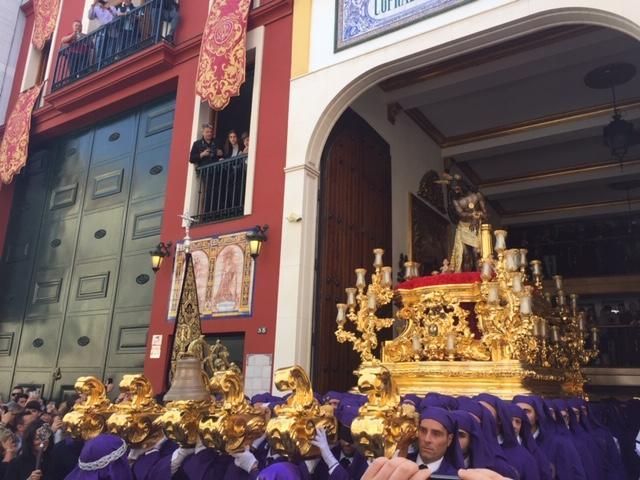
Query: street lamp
[(256, 238), (157, 256)]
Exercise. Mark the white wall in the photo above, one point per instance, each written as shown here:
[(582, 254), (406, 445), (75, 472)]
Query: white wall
[(11, 30), (412, 155)]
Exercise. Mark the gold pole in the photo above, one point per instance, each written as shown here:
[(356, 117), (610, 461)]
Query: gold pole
[(486, 241)]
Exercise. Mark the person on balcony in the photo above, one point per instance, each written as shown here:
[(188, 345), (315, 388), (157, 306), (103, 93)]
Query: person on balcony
[(101, 11), (171, 16), (204, 150), (75, 51), (244, 138), (128, 31), (232, 147)]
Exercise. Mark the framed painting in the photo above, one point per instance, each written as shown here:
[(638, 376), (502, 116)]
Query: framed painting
[(430, 235), (224, 273)]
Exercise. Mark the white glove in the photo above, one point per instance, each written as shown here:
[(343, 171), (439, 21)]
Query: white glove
[(258, 441), (322, 443), (245, 460), (178, 456)]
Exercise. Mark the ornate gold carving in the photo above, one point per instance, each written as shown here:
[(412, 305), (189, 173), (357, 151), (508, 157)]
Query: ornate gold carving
[(382, 424), (290, 432), (181, 419), (133, 419), (234, 424), (88, 419), (188, 327)]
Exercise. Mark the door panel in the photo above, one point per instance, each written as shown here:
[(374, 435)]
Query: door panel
[(100, 235), (84, 341), (355, 218), (39, 342), (75, 280)]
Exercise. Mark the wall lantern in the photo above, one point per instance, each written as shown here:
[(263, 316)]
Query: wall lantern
[(256, 238), (157, 256)]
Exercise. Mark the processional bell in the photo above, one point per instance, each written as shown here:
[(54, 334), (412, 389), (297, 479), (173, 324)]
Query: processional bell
[(188, 381)]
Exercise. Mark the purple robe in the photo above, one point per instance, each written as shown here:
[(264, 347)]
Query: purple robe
[(559, 450), (151, 465), (207, 464)]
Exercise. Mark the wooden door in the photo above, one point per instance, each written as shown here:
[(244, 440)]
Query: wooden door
[(355, 218)]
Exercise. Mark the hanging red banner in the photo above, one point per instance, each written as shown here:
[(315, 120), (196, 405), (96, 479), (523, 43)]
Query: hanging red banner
[(223, 52), (15, 141), (46, 12)]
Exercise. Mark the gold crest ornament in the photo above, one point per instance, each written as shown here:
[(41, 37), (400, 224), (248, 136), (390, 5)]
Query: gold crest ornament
[(89, 418), (382, 425), (294, 426), (133, 418), (234, 424)]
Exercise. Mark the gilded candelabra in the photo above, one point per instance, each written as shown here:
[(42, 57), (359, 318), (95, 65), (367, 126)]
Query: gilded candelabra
[(504, 312), (361, 306), (571, 344)]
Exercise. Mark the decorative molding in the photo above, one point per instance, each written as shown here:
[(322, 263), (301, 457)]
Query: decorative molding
[(560, 172), (310, 170), (568, 208), (517, 127), (486, 55)]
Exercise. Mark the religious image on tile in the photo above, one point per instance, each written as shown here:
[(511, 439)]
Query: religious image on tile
[(224, 276)]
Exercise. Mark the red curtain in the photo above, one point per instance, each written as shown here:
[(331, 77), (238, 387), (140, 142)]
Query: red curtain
[(223, 52), (15, 142), (46, 12)]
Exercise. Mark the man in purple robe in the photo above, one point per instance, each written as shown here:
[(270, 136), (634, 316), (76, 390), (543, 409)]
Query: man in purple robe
[(522, 428), (438, 445), (103, 457), (517, 456), (559, 449)]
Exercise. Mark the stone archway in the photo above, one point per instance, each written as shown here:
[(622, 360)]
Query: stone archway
[(343, 84)]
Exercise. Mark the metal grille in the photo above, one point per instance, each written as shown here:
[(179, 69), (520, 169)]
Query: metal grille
[(112, 42), (222, 188)]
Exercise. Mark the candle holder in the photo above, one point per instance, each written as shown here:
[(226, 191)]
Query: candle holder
[(362, 304)]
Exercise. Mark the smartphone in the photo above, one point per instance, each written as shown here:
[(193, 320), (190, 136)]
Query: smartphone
[(109, 380)]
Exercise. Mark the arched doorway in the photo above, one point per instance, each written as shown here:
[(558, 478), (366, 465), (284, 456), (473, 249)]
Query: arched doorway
[(315, 110), (517, 120)]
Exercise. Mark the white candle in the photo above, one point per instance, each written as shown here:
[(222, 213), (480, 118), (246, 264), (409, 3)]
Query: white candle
[(501, 240), (377, 261), (451, 342), (416, 344), (543, 328), (351, 297), (386, 277), (523, 257), (525, 305), (371, 301), (341, 318), (558, 281), (555, 334), (360, 280), (536, 267), (516, 282), (511, 258), (493, 295), (487, 269)]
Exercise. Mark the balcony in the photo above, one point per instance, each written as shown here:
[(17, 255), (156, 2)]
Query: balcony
[(109, 44), (221, 189)]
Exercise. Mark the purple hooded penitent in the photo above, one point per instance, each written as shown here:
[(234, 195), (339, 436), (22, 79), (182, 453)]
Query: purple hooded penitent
[(558, 448), (103, 458), (453, 459)]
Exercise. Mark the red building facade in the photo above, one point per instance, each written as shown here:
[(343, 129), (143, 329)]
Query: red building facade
[(155, 72)]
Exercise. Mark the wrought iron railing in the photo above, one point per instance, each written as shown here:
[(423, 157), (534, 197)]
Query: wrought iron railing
[(124, 36), (221, 189)]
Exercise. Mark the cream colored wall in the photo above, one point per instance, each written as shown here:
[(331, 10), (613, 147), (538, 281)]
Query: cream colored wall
[(335, 81), (412, 155)]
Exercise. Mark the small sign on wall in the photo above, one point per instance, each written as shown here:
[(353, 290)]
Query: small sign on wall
[(361, 20), (156, 346)]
